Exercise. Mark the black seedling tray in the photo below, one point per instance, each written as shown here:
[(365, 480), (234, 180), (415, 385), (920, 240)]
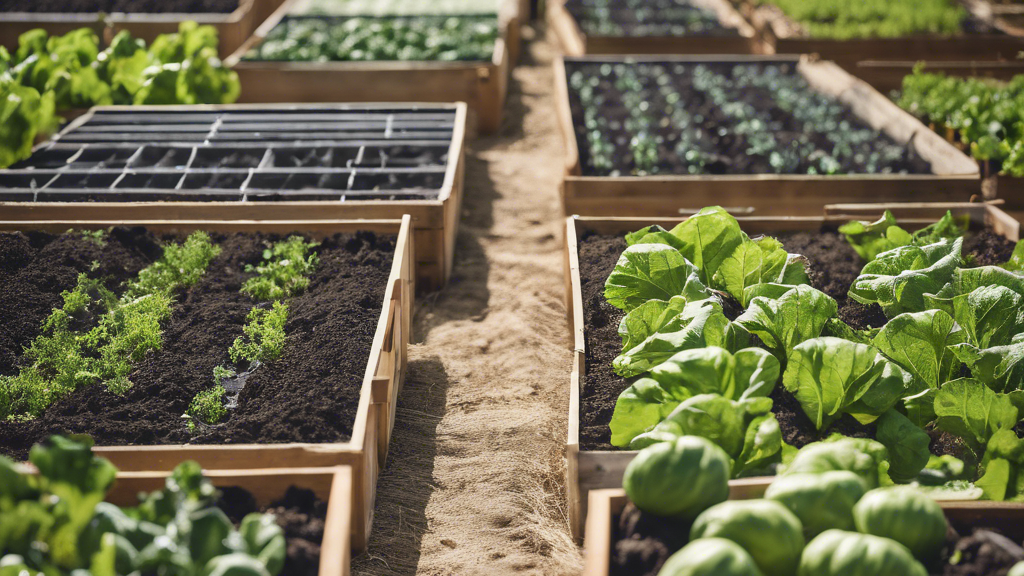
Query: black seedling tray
[(240, 155)]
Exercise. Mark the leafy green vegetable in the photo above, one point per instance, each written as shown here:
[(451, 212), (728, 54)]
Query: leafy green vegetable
[(836, 552), (831, 377), (905, 515), (920, 342), (700, 323), (679, 479), (798, 315), (748, 373), (898, 280), (264, 335), (756, 262), (866, 458), (284, 271), (870, 239), (906, 444), (990, 315), (710, 556), (969, 409), (709, 237), (24, 114), (821, 500), (652, 272), (874, 18), (766, 529), (999, 367), (1003, 464), (651, 316)]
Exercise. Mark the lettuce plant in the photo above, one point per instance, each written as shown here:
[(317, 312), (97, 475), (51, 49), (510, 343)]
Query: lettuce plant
[(781, 323), (899, 279), (920, 342), (748, 373), (970, 410), (766, 529), (999, 367), (820, 500), (678, 479), (1004, 467), (869, 239), (837, 552), (905, 515), (862, 456), (711, 556)]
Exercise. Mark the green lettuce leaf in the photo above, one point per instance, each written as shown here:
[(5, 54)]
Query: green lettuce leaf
[(796, 316), (906, 443), (1016, 262), (748, 373), (898, 280), (758, 261), (652, 272), (830, 377), (646, 319), (709, 237), (870, 239), (972, 411), (990, 315), (999, 367), (1003, 462), (919, 342), (867, 458)]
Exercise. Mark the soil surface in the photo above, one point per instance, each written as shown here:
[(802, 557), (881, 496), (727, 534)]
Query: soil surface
[(475, 478), (834, 267), (127, 6), (283, 401), (632, 18), (641, 543), (299, 513)]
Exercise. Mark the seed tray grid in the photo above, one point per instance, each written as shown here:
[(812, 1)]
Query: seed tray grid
[(247, 155)]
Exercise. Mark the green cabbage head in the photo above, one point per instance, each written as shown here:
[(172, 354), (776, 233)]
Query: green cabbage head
[(841, 553), (766, 529), (680, 479), (708, 556), (905, 515), (820, 501)]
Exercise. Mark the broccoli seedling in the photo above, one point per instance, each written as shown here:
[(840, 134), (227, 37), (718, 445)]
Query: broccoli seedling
[(284, 270), (264, 335)]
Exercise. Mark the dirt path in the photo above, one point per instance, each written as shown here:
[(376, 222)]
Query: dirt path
[(475, 478)]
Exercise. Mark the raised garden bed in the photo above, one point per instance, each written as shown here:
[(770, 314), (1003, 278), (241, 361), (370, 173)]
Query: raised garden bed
[(662, 27), (295, 162), (607, 507), (235, 20), (775, 159), (593, 247), (288, 397), (311, 504), (979, 37), (482, 84)]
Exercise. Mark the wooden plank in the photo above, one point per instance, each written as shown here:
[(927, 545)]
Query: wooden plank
[(888, 75), (590, 470), (374, 415), (232, 28), (609, 503), (575, 42), (955, 177), (332, 485)]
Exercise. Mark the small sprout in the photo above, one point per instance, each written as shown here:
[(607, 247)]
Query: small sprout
[(97, 236), (207, 407), (284, 271), (222, 373), (264, 335)]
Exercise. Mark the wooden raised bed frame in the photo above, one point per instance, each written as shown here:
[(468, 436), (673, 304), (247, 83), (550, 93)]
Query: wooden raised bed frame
[(575, 42), (332, 485), (385, 371), (435, 222), (233, 28), (588, 470), (482, 85), (605, 504), (955, 178)]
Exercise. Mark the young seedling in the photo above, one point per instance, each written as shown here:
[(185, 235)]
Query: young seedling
[(264, 335)]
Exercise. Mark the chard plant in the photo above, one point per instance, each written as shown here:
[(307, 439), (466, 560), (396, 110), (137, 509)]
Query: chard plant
[(96, 338), (950, 358)]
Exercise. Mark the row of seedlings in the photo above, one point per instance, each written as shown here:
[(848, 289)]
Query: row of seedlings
[(773, 134), (642, 27), (880, 41), (732, 340), (237, 345), (78, 514), (275, 162), (234, 20), (320, 51)]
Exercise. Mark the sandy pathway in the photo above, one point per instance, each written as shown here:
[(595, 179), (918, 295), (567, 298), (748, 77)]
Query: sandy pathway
[(474, 483)]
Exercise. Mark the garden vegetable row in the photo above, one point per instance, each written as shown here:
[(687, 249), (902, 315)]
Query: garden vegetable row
[(638, 18), (51, 75), (57, 522)]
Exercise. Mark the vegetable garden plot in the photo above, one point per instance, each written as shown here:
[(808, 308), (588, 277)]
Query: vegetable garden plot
[(606, 554), (378, 59), (206, 341), (879, 30), (245, 162), (662, 27), (235, 20), (593, 247), (786, 135)]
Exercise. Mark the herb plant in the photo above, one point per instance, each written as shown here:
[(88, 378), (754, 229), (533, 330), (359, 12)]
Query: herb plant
[(264, 333), (56, 523), (848, 19), (323, 39)]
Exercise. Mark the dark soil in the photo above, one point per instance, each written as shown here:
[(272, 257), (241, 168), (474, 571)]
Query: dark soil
[(127, 6), (834, 267), (310, 394), (641, 543), (646, 18), (299, 513)]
